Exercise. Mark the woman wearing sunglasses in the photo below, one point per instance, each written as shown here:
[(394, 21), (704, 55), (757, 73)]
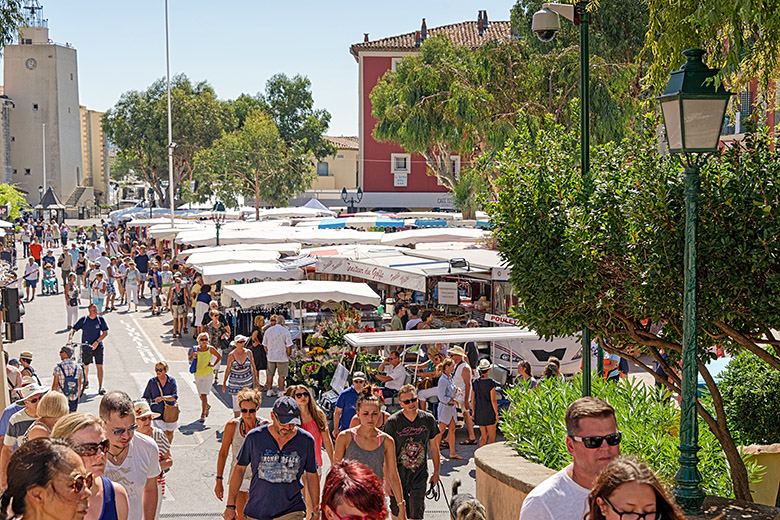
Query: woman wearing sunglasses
[(629, 490), (162, 389), (240, 372), (51, 407), (233, 437), (352, 492), (313, 420), (85, 433), (208, 357), (46, 479)]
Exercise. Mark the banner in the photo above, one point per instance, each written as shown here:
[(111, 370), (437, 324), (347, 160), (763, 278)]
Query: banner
[(375, 273), (501, 320)]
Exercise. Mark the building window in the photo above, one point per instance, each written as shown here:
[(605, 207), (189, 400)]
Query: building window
[(35, 106), (27, 171), (13, 139), (14, 171), (394, 63), (400, 162), (340, 156), (322, 169), (71, 76)]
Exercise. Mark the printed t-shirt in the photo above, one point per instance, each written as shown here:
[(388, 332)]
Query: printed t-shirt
[(276, 484), (411, 445), (142, 463)]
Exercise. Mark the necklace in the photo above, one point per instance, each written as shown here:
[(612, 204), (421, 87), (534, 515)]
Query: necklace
[(116, 457)]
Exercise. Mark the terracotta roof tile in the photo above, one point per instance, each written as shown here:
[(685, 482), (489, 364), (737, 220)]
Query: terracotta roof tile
[(343, 142), (463, 33)]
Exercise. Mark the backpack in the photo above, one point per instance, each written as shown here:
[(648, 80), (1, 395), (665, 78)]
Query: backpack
[(70, 386)]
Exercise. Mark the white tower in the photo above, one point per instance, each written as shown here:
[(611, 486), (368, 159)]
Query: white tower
[(42, 81)]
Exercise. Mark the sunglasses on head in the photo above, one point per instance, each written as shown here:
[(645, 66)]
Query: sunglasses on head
[(302, 394), (121, 431), (90, 449), (613, 439), (407, 401), (82, 481), (248, 410)]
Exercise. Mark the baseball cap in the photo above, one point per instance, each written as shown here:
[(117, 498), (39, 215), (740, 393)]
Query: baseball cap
[(287, 411), (359, 375), (67, 350)]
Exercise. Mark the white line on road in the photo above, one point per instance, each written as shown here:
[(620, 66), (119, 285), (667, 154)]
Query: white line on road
[(149, 340)]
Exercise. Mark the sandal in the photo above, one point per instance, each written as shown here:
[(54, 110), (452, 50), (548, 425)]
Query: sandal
[(469, 442), (207, 411), (202, 419)]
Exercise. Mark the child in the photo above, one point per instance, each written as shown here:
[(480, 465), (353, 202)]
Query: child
[(484, 404)]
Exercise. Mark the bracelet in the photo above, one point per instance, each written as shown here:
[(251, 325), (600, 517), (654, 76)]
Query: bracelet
[(230, 507), (219, 478)]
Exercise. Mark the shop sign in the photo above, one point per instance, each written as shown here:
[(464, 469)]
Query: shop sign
[(448, 293), (375, 273), (500, 273), (399, 180), (501, 320)]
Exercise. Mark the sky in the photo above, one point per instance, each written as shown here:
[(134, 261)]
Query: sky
[(236, 47)]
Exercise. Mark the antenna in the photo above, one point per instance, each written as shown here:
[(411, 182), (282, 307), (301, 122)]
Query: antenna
[(34, 15)]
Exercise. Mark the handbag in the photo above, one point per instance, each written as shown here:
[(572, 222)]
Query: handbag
[(170, 411), (194, 364)]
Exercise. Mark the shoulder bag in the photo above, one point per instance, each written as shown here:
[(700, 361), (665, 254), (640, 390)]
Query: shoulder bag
[(170, 411)]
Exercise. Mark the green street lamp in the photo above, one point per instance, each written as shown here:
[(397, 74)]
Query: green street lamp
[(693, 111), (218, 216), (546, 24)]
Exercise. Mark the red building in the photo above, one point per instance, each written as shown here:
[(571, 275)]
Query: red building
[(391, 177)]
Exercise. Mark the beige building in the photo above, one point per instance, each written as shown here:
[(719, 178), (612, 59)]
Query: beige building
[(41, 80), (94, 153), (340, 170)]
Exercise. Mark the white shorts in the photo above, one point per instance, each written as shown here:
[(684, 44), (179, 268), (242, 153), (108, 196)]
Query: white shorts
[(203, 384), (424, 395), (165, 426), (236, 408)]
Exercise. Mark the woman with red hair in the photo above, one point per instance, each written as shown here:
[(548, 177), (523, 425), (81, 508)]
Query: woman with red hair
[(352, 491)]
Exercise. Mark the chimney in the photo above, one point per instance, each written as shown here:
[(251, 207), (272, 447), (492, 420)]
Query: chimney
[(365, 37), (480, 25), (484, 19), (423, 30), (417, 39)]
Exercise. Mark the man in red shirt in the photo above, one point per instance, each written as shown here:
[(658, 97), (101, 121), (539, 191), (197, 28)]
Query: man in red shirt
[(35, 250)]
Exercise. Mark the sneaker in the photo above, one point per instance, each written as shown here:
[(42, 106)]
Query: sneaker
[(269, 393), (102, 391)]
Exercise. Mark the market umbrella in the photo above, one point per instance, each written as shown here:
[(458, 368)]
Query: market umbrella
[(270, 293), (248, 271), (428, 235)]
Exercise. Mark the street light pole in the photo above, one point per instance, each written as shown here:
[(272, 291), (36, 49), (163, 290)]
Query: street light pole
[(171, 144), (694, 110)]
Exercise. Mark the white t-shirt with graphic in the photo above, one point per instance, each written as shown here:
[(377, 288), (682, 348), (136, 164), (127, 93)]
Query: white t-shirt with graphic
[(142, 463), (557, 498)]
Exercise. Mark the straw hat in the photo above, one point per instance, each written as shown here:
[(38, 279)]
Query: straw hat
[(142, 410), (457, 350)]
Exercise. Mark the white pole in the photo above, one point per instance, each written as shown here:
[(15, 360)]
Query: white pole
[(170, 131), (43, 133)]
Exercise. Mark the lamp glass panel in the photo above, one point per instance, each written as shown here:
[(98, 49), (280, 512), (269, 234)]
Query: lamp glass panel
[(671, 111), (702, 119)]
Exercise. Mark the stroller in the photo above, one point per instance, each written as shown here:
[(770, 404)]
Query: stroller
[(50, 282)]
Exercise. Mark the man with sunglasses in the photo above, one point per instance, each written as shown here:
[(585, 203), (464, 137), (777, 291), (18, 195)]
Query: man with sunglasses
[(18, 425), (593, 440), (346, 404), (132, 460), (281, 454), (413, 431)]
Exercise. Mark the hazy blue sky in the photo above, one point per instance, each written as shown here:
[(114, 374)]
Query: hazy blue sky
[(237, 46)]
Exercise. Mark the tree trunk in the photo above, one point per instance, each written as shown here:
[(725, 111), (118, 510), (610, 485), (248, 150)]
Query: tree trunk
[(737, 469), (257, 195)]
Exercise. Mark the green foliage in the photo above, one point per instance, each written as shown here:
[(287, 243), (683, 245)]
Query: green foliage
[(466, 193), (740, 36), (534, 426), (11, 17), (138, 126), (9, 193), (751, 393), (253, 161)]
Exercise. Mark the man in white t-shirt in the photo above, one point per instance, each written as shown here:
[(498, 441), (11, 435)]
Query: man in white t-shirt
[(32, 273), (395, 374), (93, 253), (132, 459), (593, 440), (278, 347)]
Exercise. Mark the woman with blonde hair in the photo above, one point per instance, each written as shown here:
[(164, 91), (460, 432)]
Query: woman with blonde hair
[(232, 439), (51, 407), (448, 395), (204, 370), (86, 434), (628, 488)]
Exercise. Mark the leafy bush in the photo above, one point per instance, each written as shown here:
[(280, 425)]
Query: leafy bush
[(751, 393), (534, 426)]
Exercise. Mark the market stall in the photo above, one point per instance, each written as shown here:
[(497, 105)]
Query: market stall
[(199, 260), (247, 271), (440, 234)]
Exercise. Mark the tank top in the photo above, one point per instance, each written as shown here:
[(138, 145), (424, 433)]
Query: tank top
[(177, 298), (203, 368), (374, 459), (109, 501), (235, 445), (457, 376), (240, 375), (312, 428)]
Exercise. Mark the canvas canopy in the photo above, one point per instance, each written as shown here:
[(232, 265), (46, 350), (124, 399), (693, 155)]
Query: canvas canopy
[(429, 235), (270, 293), (237, 249), (248, 271), (231, 257), (430, 336)]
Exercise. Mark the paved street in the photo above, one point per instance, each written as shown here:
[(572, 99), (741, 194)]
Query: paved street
[(135, 342)]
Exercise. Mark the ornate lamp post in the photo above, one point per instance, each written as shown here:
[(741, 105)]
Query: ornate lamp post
[(351, 201), (546, 24), (150, 195), (693, 116), (218, 216)]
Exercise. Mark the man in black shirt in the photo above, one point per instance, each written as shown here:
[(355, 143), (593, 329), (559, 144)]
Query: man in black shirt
[(413, 431)]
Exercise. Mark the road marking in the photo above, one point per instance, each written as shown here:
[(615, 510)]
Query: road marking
[(134, 334)]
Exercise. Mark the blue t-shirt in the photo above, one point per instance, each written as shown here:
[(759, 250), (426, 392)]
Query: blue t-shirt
[(49, 260), (7, 413), (276, 484), (142, 263), (91, 329), (347, 401)]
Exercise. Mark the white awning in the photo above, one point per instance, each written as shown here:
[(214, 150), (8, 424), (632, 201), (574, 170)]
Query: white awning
[(4, 224), (449, 336), (237, 249), (270, 293), (199, 260), (428, 235), (248, 271)]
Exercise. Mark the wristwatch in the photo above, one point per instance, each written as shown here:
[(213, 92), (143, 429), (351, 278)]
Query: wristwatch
[(230, 507)]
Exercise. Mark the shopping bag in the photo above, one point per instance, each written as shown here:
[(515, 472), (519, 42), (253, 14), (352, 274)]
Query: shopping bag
[(340, 378)]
